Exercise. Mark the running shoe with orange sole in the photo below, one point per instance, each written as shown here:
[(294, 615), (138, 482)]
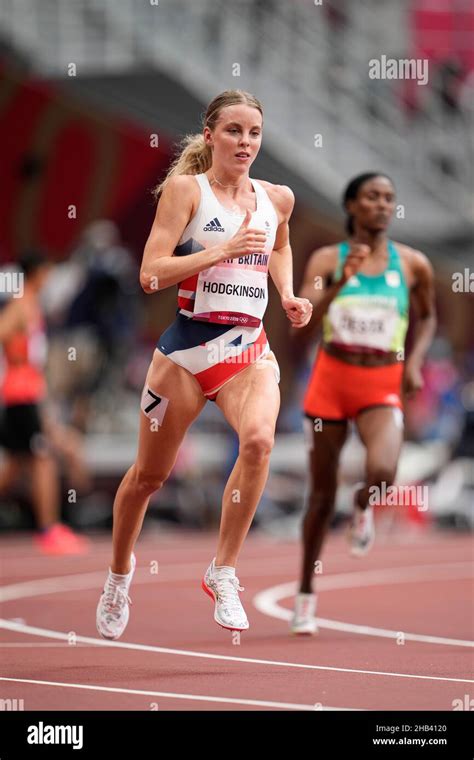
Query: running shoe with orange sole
[(222, 585)]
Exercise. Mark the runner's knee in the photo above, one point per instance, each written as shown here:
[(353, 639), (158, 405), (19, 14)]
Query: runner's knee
[(378, 473), (146, 481), (256, 446)]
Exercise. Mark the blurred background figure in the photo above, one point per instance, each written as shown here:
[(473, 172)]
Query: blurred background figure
[(29, 433), (97, 312), (93, 96)]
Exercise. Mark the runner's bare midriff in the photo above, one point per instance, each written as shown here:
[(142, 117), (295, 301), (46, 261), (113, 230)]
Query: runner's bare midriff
[(360, 358)]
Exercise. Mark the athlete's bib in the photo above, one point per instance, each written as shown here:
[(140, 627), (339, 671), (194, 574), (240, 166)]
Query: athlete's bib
[(230, 295), (354, 323)]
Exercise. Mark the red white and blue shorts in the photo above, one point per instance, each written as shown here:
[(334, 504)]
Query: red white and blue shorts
[(214, 353)]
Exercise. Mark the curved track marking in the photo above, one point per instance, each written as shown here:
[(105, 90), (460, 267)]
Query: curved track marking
[(267, 601)]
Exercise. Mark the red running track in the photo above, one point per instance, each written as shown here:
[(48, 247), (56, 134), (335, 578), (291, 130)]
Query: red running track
[(396, 630)]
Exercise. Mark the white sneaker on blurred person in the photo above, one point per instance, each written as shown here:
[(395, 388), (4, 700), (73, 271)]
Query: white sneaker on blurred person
[(303, 620), (222, 585), (113, 608), (361, 534)]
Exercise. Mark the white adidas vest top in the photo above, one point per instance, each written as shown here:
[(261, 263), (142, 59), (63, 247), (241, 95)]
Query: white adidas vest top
[(235, 291)]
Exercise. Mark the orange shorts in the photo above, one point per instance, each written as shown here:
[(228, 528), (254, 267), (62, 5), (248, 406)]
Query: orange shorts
[(338, 390)]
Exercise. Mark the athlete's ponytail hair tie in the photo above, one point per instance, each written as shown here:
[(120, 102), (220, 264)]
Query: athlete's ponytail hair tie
[(194, 155)]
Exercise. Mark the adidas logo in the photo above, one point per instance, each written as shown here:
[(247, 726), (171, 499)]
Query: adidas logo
[(213, 226)]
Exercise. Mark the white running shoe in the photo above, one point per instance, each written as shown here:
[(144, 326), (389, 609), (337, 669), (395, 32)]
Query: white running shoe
[(304, 621), (112, 610), (222, 585), (361, 534)]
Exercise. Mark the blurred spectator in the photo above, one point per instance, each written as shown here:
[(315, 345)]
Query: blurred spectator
[(107, 298), (30, 435), (261, 12), (447, 86), (97, 319), (446, 108), (212, 24), (436, 412)]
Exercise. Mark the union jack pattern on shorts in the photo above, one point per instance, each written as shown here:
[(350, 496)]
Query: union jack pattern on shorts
[(213, 353)]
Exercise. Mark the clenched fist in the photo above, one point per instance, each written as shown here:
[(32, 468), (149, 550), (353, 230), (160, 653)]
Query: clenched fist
[(357, 254), (298, 310)]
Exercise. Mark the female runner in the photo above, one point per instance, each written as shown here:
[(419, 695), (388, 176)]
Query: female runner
[(216, 234), (360, 290)]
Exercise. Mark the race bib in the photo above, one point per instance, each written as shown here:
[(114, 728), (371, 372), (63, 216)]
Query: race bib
[(231, 295), (356, 325)]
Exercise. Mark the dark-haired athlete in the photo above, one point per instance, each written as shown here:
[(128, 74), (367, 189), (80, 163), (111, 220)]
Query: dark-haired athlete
[(360, 290)]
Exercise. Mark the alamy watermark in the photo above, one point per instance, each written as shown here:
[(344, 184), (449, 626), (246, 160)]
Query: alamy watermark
[(42, 733), (12, 705), (219, 352), (463, 282), (466, 703), (399, 496), (12, 282), (401, 68)]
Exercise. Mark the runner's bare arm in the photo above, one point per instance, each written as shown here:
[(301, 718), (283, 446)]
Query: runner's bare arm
[(318, 285), (10, 320), (298, 310), (319, 270), (160, 268), (423, 302), (281, 264)]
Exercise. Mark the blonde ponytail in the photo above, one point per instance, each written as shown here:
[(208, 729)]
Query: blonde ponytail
[(194, 156)]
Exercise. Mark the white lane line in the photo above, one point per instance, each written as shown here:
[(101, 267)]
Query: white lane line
[(267, 601), (78, 582), (167, 573), (96, 579), (36, 644), (408, 574), (22, 628), (172, 695)]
